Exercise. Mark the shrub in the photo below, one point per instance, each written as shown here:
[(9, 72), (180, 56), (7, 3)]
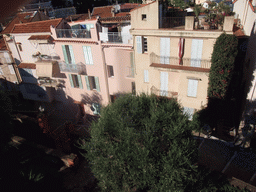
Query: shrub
[(142, 143)]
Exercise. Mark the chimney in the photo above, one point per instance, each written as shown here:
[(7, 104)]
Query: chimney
[(113, 12)]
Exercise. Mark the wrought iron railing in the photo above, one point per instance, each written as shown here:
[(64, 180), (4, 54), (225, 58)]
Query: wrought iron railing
[(73, 68), (116, 37), (188, 62), (170, 22), (159, 92), (73, 33)]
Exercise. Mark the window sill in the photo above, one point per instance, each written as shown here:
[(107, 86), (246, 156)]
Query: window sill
[(191, 96)]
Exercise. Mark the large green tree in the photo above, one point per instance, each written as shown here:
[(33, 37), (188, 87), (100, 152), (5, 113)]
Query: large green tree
[(142, 143)]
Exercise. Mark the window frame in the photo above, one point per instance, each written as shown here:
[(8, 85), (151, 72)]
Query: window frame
[(144, 44), (110, 70), (144, 17), (189, 89)]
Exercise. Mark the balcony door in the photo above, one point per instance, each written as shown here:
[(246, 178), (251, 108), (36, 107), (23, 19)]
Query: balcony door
[(164, 83), (165, 50), (196, 52)]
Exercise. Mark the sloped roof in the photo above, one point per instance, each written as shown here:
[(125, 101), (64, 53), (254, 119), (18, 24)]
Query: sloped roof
[(77, 17), (2, 45), (40, 37), (24, 17), (36, 27), (27, 66), (104, 11), (142, 5), (129, 5)]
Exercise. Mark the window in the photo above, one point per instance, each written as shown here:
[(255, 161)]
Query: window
[(1, 71), (189, 112), (192, 87), (68, 54), (20, 47), (143, 17), (75, 81), (92, 83), (110, 71), (131, 73), (146, 78), (142, 44), (11, 69), (88, 55), (145, 44), (133, 88)]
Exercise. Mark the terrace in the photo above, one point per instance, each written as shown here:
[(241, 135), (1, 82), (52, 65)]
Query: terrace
[(116, 37), (72, 68), (73, 33)]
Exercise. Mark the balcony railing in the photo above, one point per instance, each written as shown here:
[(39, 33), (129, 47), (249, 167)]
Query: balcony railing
[(79, 68), (159, 92), (186, 62), (116, 37), (170, 22), (73, 33)]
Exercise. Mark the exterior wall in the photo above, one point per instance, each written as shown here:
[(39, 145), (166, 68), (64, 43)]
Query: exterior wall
[(6, 71), (120, 59), (29, 48), (151, 22)]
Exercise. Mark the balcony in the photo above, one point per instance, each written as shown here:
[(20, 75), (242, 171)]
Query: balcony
[(116, 37), (188, 64), (73, 33), (79, 68), (171, 22), (47, 82), (159, 92)]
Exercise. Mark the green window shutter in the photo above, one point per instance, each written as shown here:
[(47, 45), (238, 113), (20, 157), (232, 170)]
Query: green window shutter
[(71, 80), (65, 53), (132, 64), (87, 83), (80, 81), (72, 54), (97, 83)]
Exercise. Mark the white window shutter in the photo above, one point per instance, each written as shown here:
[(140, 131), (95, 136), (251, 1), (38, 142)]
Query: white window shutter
[(97, 83), (86, 56), (80, 81), (71, 80), (72, 54), (189, 112), (165, 49), (87, 83), (11, 69), (139, 44), (164, 83), (192, 87), (1, 71), (146, 77), (196, 52), (89, 50)]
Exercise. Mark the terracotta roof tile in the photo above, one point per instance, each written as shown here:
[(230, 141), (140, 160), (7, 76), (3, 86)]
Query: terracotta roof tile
[(20, 18), (36, 27), (27, 65), (122, 14), (129, 5), (115, 19), (40, 37), (142, 5), (75, 41), (104, 11), (2, 45), (77, 17)]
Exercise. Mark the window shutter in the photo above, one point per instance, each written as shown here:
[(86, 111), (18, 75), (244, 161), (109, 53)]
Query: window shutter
[(139, 44), (7, 57), (165, 49), (89, 49), (189, 112), (71, 80), (97, 83), (196, 52), (1, 71), (80, 81), (72, 54), (11, 69), (87, 83), (192, 87), (146, 78), (65, 53), (132, 64), (164, 84), (86, 56)]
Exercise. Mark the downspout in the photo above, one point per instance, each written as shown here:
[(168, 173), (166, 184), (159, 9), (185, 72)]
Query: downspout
[(105, 72)]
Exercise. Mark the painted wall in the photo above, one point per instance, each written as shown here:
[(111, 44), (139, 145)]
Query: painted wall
[(151, 21)]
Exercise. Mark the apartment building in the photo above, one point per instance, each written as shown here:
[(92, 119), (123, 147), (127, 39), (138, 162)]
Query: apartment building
[(171, 58)]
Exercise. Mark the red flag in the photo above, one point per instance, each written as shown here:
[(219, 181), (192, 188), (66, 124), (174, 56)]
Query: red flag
[(181, 48)]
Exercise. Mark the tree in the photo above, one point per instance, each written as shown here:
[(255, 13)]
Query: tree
[(141, 143)]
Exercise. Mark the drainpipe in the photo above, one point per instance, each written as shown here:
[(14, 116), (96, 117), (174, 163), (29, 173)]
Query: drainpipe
[(105, 72)]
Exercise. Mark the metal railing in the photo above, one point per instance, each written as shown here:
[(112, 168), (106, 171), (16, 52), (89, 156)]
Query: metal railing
[(188, 62), (73, 68), (116, 37), (159, 92), (73, 33), (170, 22)]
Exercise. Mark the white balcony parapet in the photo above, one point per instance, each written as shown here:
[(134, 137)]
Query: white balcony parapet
[(73, 33), (79, 68), (116, 37)]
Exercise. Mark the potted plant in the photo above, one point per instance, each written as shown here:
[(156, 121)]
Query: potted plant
[(197, 11)]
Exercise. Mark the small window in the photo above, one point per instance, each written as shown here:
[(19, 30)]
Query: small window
[(145, 44), (20, 47), (75, 81), (92, 83), (192, 87), (110, 71), (143, 17)]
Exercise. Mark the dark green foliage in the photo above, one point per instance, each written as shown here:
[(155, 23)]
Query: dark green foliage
[(223, 59), (142, 143)]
